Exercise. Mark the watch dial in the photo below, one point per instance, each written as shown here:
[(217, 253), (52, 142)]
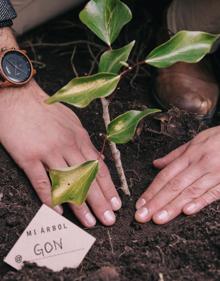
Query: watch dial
[(16, 67)]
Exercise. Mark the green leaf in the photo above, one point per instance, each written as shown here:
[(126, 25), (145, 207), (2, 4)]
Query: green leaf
[(106, 18), (112, 61), (72, 184), (122, 129), (185, 46), (80, 92)]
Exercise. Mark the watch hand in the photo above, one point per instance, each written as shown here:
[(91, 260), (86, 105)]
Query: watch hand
[(16, 67)]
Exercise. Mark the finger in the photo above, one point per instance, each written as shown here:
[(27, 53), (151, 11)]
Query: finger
[(168, 193), (100, 206), (37, 175), (166, 160), (82, 212), (98, 203), (162, 179), (84, 215), (206, 199), (55, 162), (74, 158), (104, 180), (173, 209)]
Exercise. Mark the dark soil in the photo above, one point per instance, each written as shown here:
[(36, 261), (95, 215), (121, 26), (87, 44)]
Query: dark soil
[(188, 248)]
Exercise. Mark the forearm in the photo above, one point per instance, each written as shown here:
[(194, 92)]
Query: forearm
[(7, 39)]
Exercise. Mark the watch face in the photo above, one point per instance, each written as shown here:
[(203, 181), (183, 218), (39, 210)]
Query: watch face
[(16, 67)]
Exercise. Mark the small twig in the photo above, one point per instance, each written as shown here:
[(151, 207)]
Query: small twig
[(65, 24), (95, 58), (101, 153), (72, 62), (92, 54), (114, 150), (159, 132), (65, 44), (161, 254), (110, 242), (178, 240), (161, 278)]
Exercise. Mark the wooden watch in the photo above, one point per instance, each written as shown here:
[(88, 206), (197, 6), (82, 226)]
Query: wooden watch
[(16, 68)]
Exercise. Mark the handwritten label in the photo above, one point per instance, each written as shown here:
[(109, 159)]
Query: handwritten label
[(50, 240)]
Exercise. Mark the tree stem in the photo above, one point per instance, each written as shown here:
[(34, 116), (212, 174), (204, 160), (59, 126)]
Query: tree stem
[(114, 150)]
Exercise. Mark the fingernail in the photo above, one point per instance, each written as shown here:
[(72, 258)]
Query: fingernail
[(158, 162), (191, 208), (90, 219), (140, 203), (109, 217), (58, 209), (116, 203), (162, 215), (142, 213)]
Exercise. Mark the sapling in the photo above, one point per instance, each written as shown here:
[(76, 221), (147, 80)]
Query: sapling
[(106, 18)]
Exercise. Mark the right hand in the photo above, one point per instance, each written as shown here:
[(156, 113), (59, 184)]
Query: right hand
[(40, 136)]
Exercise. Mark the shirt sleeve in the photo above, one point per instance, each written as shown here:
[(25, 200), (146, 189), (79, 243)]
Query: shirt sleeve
[(7, 13)]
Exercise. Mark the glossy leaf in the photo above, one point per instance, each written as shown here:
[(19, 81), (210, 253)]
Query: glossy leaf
[(80, 92), (106, 18), (185, 46), (122, 129), (72, 184), (112, 61)]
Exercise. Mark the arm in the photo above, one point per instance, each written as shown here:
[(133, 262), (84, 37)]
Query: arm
[(40, 136)]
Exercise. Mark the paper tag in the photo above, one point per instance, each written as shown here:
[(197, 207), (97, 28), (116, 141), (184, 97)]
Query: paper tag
[(50, 240)]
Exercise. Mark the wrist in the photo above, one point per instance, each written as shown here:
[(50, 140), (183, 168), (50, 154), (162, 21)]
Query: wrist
[(22, 97)]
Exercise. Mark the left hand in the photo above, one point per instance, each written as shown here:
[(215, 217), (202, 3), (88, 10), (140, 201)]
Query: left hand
[(189, 180)]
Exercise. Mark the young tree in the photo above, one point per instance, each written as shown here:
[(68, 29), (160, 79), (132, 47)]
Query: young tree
[(106, 18)]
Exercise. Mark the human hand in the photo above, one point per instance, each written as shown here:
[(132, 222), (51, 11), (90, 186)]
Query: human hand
[(40, 136), (189, 180)]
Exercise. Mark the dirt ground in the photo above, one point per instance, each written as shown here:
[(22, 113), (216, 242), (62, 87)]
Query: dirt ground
[(188, 248)]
